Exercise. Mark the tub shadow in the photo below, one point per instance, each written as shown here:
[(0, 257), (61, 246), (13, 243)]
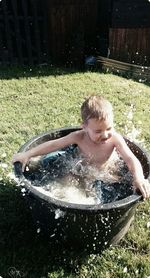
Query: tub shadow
[(23, 249)]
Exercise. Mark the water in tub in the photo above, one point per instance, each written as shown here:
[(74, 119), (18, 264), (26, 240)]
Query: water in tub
[(67, 179)]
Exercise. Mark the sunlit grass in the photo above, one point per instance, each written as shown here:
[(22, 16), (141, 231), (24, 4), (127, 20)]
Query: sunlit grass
[(37, 100)]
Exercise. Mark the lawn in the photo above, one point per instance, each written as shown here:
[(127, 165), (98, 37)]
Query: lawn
[(34, 100)]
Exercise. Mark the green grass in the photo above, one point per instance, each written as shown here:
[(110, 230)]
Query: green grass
[(37, 100)]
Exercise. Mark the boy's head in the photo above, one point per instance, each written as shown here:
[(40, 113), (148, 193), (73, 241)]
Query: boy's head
[(96, 107), (97, 116)]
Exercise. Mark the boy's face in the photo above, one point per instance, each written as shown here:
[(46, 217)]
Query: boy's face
[(99, 131)]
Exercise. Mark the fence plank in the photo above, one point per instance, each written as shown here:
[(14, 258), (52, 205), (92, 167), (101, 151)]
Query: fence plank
[(27, 32), (8, 32), (17, 30), (45, 33), (36, 30), (2, 57)]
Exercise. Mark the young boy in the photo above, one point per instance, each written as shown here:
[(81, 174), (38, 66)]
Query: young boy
[(96, 141)]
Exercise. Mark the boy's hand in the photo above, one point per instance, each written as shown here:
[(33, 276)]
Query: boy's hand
[(144, 187), (21, 157)]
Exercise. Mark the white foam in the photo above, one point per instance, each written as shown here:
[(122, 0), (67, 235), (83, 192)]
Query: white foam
[(79, 188)]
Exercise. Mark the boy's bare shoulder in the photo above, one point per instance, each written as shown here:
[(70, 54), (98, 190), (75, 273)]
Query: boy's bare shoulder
[(118, 138), (78, 135), (74, 137)]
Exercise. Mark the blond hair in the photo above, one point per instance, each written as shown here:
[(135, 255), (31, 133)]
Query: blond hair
[(96, 107)]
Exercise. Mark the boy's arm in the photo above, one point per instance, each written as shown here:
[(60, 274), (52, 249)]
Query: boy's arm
[(45, 148), (134, 166)]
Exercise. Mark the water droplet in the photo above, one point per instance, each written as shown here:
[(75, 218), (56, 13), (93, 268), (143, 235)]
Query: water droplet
[(59, 213), (52, 235), (148, 225), (125, 269), (23, 190), (4, 165), (38, 230)]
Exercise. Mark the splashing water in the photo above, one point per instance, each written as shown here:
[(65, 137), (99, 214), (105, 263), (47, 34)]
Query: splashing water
[(130, 130), (85, 184), (65, 178)]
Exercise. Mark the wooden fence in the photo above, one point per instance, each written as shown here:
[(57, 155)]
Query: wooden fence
[(130, 45), (65, 31), (72, 29), (23, 32), (129, 32), (45, 31)]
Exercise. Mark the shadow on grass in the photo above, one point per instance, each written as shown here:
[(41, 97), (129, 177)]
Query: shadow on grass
[(23, 251), (16, 72)]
